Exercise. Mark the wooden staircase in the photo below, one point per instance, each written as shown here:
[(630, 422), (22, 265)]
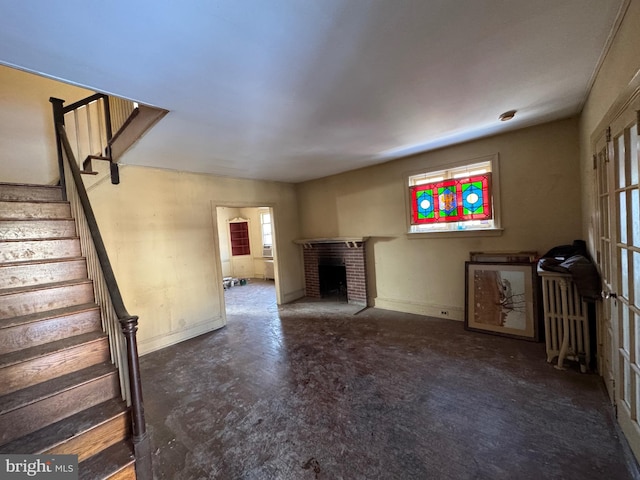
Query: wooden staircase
[(59, 391)]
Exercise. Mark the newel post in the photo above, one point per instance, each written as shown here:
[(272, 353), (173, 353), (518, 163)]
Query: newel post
[(141, 443), (58, 119)]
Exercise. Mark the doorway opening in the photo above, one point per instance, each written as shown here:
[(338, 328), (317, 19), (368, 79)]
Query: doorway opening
[(246, 240)]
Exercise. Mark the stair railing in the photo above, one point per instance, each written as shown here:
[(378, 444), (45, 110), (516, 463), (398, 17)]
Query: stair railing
[(90, 124), (120, 326)]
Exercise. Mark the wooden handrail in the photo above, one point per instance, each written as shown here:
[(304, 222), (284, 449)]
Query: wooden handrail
[(58, 116), (83, 102), (128, 322)]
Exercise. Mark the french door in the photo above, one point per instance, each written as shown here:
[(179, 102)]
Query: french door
[(618, 256), (607, 325)]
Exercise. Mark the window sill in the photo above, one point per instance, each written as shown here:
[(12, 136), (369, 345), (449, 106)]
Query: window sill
[(493, 232)]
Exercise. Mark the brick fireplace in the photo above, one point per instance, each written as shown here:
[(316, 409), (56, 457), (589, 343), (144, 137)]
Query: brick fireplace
[(325, 255)]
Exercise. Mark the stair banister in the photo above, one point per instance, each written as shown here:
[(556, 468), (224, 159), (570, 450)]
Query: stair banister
[(58, 116), (130, 381)]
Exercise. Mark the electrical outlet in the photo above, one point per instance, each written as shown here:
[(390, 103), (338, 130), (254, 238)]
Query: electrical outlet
[(444, 312)]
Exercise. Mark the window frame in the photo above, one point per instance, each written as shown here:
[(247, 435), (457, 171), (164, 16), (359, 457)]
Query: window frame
[(262, 214), (267, 248), (452, 231)]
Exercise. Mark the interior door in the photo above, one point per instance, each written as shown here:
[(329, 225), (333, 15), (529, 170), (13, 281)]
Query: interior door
[(620, 268), (607, 326)]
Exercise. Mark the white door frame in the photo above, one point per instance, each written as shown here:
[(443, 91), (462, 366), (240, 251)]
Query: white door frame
[(274, 225)]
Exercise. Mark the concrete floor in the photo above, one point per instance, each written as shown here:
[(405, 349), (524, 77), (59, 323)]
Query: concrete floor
[(312, 391)]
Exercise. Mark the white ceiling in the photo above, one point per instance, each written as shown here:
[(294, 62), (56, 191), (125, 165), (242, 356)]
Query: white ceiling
[(292, 90)]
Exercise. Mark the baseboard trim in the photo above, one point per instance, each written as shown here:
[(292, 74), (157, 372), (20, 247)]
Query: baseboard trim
[(162, 341), (418, 308)]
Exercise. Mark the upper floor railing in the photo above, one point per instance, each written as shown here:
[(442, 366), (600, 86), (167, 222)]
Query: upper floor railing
[(92, 124)]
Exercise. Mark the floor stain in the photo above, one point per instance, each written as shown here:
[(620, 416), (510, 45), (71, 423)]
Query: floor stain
[(312, 463)]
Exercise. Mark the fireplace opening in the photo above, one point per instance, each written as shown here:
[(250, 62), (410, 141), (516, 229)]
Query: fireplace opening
[(333, 282), (322, 279)]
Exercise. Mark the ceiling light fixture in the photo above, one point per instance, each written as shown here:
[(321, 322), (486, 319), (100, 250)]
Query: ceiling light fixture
[(507, 115)]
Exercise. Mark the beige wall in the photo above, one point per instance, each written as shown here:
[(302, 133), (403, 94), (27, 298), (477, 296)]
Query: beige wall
[(620, 66), (540, 188), (27, 142), (160, 230)]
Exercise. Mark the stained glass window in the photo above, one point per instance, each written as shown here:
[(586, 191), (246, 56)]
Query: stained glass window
[(454, 197), (452, 200)]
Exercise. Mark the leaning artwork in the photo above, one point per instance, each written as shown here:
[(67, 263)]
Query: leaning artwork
[(500, 299)]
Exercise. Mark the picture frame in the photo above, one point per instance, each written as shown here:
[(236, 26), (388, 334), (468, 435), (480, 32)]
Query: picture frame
[(502, 299), (504, 257)]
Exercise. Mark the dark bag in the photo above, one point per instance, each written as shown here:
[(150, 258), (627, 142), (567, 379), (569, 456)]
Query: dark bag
[(574, 259)]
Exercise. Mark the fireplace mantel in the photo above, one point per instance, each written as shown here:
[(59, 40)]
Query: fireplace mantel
[(350, 242)]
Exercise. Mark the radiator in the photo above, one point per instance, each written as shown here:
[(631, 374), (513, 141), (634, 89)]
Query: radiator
[(566, 324)]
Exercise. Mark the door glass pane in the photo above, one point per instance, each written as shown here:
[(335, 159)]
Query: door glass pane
[(623, 216), (626, 345), (624, 267), (606, 267), (604, 174), (604, 211), (637, 336), (626, 380), (634, 339), (635, 218), (636, 285), (637, 401), (620, 156), (634, 154)]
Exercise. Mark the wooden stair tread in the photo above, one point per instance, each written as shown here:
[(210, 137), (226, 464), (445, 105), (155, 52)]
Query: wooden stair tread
[(7, 222), (38, 185), (35, 393), (35, 228), (39, 316), (41, 271), (108, 462), (48, 437), (16, 250), (34, 220), (43, 286), (14, 200), (45, 261), (24, 191), (31, 209), (39, 239), (41, 350)]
